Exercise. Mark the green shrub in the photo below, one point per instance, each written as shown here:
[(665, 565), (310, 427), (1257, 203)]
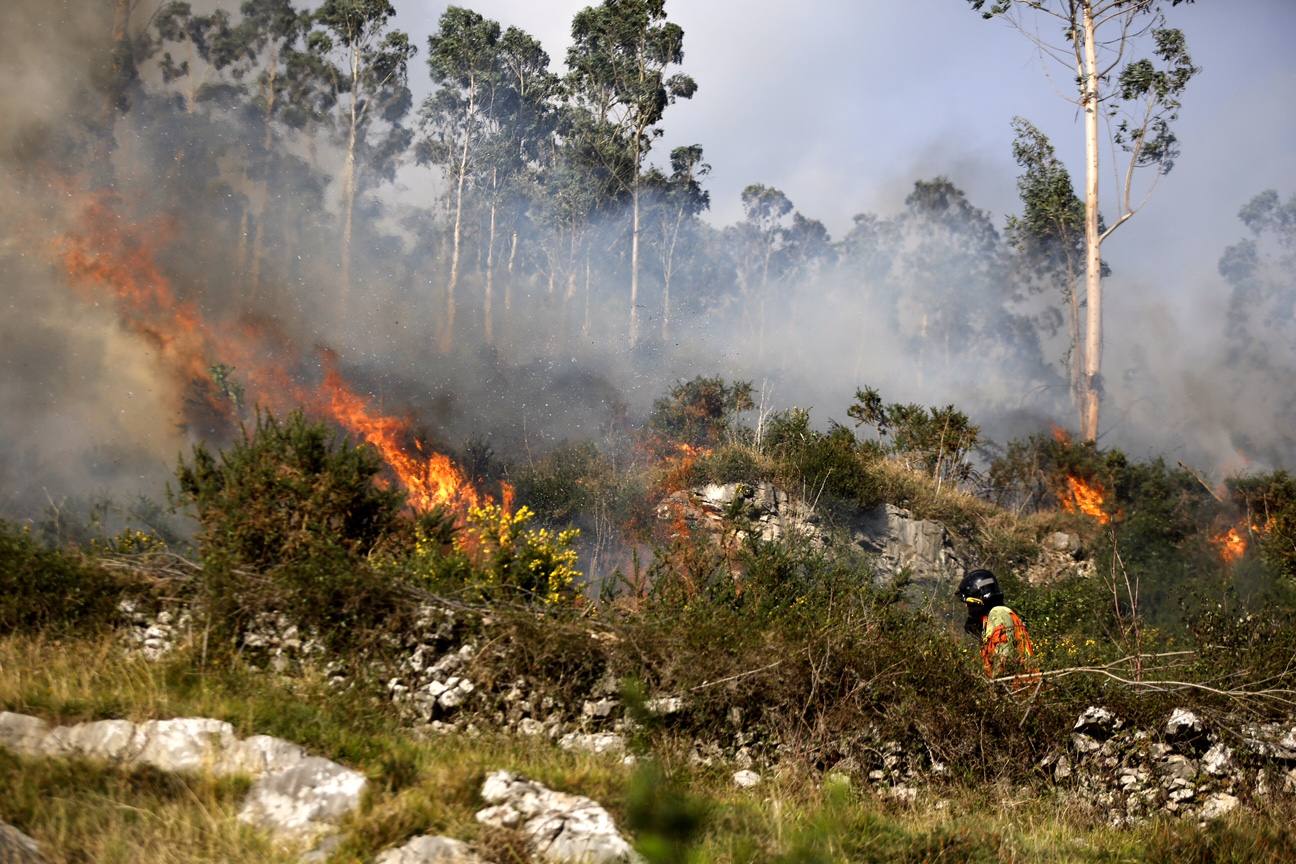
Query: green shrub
[(699, 412), (290, 519), (288, 492), (50, 589), (940, 439)]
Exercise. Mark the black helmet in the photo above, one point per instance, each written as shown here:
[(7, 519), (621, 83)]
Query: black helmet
[(980, 590)]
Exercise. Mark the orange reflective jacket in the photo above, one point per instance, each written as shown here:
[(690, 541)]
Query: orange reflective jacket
[(1005, 644)]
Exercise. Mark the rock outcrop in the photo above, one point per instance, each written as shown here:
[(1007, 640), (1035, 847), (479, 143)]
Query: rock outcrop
[(304, 802), (430, 850), (560, 827), (296, 798), (920, 549)]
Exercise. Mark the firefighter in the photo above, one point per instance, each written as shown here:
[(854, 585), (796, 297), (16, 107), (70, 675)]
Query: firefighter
[(1005, 644)]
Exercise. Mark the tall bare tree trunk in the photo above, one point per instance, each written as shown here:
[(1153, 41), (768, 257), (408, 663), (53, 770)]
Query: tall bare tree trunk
[(263, 190), (447, 329), (1093, 251), (634, 256), (114, 93), (508, 285), (487, 309), (349, 179)]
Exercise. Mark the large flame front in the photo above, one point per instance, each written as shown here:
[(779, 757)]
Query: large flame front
[(107, 251), (1084, 496)]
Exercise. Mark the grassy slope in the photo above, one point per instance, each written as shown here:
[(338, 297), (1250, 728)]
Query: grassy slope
[(83, 812)]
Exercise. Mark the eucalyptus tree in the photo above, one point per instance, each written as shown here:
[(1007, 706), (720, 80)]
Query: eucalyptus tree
[(678, 200), (206, 44), (1140, 98), (1049, 236), (522, 119), (621, 51), (367, 63), (287, 86), (1260, 329), (463, 64), (757, 239)]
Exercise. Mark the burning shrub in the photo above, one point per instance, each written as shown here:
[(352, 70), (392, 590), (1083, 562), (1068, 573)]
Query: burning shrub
[(42, 588), (1270, 502), (287, 493)]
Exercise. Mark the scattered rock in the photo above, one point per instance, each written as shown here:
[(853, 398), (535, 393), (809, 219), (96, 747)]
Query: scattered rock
[(17, 848), (1218, 760), (746, 779), (561, 827), (1219, 804), (1098, 723), (593, 742), (304, 802), (430, 850), (664, 706), (905, 794), (1183, 725)]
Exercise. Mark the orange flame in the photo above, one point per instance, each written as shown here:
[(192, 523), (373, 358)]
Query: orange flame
[(106, 251), (1232, 544), (1084, 497), (430, 480)]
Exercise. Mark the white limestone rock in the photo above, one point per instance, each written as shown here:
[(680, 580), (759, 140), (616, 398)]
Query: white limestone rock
[(184, 744), (562, 828), (430, 850), (305, 801), (110, 740), (593, 742), (17, 848)]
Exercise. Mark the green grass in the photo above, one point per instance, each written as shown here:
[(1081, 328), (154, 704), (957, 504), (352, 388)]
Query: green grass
[(80, 811)]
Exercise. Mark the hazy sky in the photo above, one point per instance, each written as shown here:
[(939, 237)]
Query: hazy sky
[(844, 103)]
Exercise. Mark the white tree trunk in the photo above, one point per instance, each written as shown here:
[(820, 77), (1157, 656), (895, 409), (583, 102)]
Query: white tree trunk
[(1093, 247), (634, 256), (447, 330), (349, 178)]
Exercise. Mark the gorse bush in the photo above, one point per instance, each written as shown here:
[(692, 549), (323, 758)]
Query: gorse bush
[(288, 492), (290, 518), (938, 439)]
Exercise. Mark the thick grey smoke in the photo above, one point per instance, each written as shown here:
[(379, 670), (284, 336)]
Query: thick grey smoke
[(90, 402)]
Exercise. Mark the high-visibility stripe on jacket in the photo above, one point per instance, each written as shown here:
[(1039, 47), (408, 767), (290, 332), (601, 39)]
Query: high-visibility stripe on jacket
[(1005, 645)]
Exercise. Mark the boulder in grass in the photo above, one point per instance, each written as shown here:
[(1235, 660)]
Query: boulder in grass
[(17, 848), (430, 850), (562, 828), (304, 802)]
